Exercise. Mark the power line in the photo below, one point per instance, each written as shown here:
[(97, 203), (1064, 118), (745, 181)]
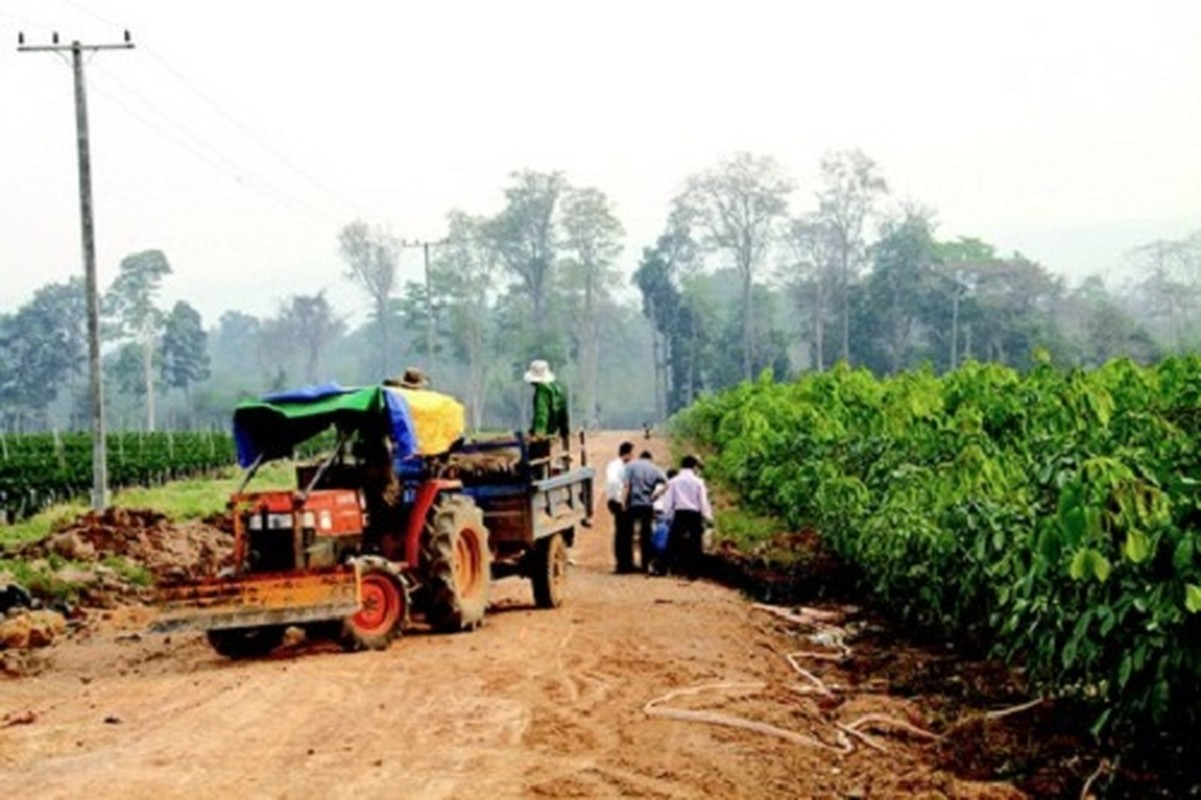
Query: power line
[(232, 119), (179, 134), (252, 136)]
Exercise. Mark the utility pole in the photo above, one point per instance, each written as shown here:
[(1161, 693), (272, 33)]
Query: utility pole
[(99, 451), (429, 300)]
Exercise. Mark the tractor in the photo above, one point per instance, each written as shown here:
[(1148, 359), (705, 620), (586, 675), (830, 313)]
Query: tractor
[(399, 516)]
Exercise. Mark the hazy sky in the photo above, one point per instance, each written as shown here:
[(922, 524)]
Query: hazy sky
[(239, 140)]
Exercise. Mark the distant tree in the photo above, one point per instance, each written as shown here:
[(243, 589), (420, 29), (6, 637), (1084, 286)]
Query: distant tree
[(1100, 329), (592, 235), (185, 358), (1169, 285), (899, 289), (420, 309), (43, 347), (371, 257), (965, 248), (811, 269), (723, 359), (1012, 310), (523, 235), (124, 370), (234, 344), (310, 323), (679, 338), (464, 273), (130, 305), (851, 189), (738, 207)]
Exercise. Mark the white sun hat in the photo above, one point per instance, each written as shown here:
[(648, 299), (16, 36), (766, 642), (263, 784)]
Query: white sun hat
[(539, 372)]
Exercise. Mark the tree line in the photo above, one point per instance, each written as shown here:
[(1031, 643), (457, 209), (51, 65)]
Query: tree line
[(750, 273)]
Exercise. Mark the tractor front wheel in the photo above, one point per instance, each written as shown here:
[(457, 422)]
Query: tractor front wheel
[(456, 564), (383, 608)]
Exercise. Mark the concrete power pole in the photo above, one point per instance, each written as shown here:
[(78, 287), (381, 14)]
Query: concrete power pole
[(429, 300), (99, 451)]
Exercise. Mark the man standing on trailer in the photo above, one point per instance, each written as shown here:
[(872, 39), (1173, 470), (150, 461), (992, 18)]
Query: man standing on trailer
[(550, 404)]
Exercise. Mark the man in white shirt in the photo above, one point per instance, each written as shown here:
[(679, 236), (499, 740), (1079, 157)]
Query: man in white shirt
[(686, 501), (615, 492)]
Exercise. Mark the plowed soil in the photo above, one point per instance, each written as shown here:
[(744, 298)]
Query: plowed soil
[(537, 703)]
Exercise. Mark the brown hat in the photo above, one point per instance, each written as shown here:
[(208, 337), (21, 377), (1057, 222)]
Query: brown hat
[(412, 378)]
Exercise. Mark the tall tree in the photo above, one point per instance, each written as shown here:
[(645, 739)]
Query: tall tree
[(371, 256), (310, 323), (42, 346), (130, 304), (185, 357), (679, 335), (524, 237), (812, 266), (738, 206), (1100, 329), (899, 288), (1169, 285), (464, 272), (851, 188), (592, 234)]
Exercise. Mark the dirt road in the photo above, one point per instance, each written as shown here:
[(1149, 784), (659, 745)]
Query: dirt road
[(534, 704)]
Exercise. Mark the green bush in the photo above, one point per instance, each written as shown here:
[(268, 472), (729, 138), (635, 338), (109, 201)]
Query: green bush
[(1052, 515)]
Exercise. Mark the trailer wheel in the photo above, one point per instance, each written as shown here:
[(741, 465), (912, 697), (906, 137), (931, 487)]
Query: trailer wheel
[(246, 642), (549, 573), (383, 610), (457, 564)]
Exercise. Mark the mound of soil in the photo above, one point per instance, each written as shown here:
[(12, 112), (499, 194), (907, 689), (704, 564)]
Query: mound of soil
[(107, 552)]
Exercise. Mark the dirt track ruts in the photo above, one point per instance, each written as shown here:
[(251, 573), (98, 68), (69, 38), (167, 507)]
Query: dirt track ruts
[(536, 703)]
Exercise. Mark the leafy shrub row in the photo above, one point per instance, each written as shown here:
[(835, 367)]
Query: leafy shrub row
[(1052, 516)]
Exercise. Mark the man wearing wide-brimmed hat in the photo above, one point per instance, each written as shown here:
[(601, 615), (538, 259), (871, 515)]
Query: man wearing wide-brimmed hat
[(550, 403), (412, 378)]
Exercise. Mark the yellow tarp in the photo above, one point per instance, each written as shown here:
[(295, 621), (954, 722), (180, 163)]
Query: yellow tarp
[(438, 419)]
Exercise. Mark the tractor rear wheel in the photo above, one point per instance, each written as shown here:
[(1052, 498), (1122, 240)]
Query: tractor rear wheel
[(549, 574), (246, 642), (456, 564), (382, 612)]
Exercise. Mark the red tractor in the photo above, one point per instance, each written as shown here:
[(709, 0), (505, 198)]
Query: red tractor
[(375, 532)]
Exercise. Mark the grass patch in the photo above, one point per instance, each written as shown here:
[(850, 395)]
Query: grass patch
[(764, 537), (198, 498), (744, 528), (41, 578), (129, 571), (39, 525)]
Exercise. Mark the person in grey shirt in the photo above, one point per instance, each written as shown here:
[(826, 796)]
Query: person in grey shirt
[(644, 481)]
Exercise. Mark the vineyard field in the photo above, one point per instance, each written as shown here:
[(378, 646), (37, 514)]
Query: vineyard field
[(38, 470)]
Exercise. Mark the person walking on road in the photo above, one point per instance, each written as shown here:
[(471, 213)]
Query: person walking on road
[(643, 481), (615, 493), (686, 501)]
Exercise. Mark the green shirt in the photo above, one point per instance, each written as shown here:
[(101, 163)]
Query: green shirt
[(550, 410)]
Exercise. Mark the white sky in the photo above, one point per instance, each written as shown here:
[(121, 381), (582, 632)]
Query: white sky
[(240, 140)]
